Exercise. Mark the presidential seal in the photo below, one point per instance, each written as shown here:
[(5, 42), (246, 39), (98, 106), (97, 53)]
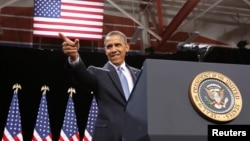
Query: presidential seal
[(215, 96)]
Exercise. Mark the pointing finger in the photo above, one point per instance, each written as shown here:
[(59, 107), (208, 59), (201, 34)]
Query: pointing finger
[(62, 36)]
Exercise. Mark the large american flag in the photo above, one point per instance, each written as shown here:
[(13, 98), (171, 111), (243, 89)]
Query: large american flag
[(88, 133), (13, 128), (42, 130), (81, 19), (69, 131)]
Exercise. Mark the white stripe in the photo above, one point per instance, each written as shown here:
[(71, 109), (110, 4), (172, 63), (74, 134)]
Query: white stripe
[(74, 138), (68, 27), (83, 8), (58, 20), (84, 2), (76, 14), (62, 134), (37, 135), (48, 138), (7, 134), (20, 136), (86, 133)]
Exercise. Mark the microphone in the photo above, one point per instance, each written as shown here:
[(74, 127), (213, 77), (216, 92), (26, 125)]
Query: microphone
[(191, 46)]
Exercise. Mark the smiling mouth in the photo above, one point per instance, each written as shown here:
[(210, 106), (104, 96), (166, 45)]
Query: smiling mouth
[(114, 55)]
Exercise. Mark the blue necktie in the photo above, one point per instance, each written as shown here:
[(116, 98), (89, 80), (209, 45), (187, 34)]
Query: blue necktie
[(124, 82)]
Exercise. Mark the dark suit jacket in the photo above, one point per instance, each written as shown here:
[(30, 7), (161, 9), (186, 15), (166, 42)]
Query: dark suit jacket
[(105, 84)]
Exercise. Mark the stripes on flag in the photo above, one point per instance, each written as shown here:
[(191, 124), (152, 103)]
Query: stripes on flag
[(69, 131), (81, 19), (42, 131), (13, 128), (88, 133)]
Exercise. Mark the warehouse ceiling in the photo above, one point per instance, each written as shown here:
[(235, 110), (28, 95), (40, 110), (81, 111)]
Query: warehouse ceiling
[(160, 25), (219, 22)]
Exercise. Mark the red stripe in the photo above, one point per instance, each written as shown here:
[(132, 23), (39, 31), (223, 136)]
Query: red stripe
[(4, 138), (44, 139), (34, 138), (50, 136), (61, 139), (82, 12), (85, 138), (66, 24), (83, 5), (16, 138), (77, 135), (65, 30), (71, 37)]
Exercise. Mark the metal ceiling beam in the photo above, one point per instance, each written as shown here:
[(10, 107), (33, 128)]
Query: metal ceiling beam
[(136, 35), (247, 2), (135, 20), (159, 14), (177, 20), (144, 18), (7, 3), (202, 13)]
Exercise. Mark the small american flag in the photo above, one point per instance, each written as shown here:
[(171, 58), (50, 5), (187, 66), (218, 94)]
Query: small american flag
[(88, 133), (13, 128), (69, 131), (42, 130), (81, 19)]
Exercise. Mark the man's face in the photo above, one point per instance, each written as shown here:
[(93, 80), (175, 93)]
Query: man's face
[(116, 49)]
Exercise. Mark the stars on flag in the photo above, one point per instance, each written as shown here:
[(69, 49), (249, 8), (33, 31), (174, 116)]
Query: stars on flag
[(42, 131), (69, 131), (13, 128)]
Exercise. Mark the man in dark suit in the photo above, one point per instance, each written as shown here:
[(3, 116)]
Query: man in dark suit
[(104, 82)]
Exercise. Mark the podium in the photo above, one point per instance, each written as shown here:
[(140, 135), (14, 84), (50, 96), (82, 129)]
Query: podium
[(160, 108)]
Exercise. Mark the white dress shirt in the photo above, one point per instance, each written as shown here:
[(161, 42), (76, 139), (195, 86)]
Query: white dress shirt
[(125, 70), (127, 74)]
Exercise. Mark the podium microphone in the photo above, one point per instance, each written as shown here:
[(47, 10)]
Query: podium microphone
[(190, 46)]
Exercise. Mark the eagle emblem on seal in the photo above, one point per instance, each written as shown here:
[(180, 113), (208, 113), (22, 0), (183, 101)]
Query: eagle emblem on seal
[(215, 96)]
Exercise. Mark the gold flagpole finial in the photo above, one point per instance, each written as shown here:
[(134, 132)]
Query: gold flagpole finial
[(16, 87), (44, 89), (71, 91)]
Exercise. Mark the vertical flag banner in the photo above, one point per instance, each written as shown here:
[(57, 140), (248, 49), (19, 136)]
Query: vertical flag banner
[(81, 19), (88, 133), (42, 131), (69, 131), (13, 128)]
